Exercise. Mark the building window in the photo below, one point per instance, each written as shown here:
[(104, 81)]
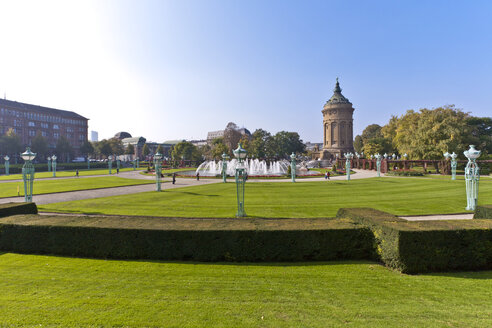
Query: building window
[(32, 133), (31, 124), (44, 125), (56, 135), (81, 137), (44, 134), (55, 126), (69, 129)]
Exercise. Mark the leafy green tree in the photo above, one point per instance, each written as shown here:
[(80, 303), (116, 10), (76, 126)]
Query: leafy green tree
[(104, 148), (374, 141), (259, 144), (39, 145), (371, 132), (481, 133), (86, 148), (427, 134), (187, 151), (358, 143), (12, 145), (116, 146), (145, 150), (64, 149), (130, 149), (232, 136), (286, 143), (160, 150), (219, 148)]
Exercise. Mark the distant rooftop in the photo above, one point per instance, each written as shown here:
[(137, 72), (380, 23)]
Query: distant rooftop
[(40, 109)]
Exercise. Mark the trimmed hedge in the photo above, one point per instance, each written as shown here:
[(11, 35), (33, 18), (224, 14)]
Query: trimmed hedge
[(483, 212), (407, 173), (251, 245), (9, 209), (426, 246)]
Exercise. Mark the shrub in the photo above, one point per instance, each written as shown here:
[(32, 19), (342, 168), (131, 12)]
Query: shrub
[(425, 246), (405, 173), (9, 209), (483, 212), (346, 241)]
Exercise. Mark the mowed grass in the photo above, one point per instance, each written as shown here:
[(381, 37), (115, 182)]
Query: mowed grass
[(70, 292), (9, 189), (64, 174), (401, 196)]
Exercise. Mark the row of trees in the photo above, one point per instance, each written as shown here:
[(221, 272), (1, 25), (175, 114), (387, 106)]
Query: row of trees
[(427, 134), (261, 145)]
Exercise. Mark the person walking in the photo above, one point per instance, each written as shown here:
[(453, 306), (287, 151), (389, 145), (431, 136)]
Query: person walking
[(174, 178), (197, 176), (326, 175), (117, 170), (77, 173)]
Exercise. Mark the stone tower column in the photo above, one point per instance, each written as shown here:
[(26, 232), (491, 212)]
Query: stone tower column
[(337, 125)]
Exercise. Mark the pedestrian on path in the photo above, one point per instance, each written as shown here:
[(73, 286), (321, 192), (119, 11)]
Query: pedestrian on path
[(328, 174), (198, 176), (117, 170), (174, 178), (77, 173)]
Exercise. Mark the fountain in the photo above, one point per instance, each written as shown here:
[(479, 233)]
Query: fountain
[(254, 167)]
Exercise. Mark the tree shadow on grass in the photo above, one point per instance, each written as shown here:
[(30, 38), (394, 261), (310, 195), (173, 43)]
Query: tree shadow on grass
[(480, 275)]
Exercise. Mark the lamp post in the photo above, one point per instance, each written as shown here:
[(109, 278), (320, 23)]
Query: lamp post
[(7, 164), (348, 157), (118, 163), (134, 163), (110, 163), (49, 164), (88, 163), (158, 170), (240, 154), (225, 158), (454, 163), (378, 163), (405, 156), (28, 174), (393, 156), (472, 177), (53, 165), (138, 164), (293, 167)]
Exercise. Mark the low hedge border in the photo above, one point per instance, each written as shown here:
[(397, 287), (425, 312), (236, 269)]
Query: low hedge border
[(483, 212), (9, 209), (219, 243), (427, 246)]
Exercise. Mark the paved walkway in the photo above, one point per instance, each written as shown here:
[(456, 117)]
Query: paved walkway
[(439, 217)]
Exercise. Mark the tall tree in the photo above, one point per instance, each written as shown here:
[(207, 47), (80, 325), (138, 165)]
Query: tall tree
[(130, 149), (260, 142), (86, 148), (12, 143), (145, 150), (160, 150), (219, 148), (287, 143), (358, 143), (480, 133), (427, 134), (232, 136), (187, 151), (39, 145), (64, 149), (104, 148), (116, 146)]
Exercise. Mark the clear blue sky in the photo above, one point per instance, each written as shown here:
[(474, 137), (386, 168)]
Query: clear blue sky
[(178, 69)]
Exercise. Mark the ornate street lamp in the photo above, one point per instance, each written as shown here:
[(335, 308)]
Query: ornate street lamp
[(454, 163), (134, 163), (225, 158), (28, 174), (53, 165), (385, 156), (293, 167), (110, 163), (158, 170), (405, 156), (472, 177), (88, 163), (378, 163), (348, 157), (7, 164), (138, 164), (49, 164), (394, 156), (240, 154)]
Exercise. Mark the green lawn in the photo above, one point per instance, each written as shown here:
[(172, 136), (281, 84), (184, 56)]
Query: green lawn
[(71, 173), (69, 292), (9, 189), (401, 196)]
